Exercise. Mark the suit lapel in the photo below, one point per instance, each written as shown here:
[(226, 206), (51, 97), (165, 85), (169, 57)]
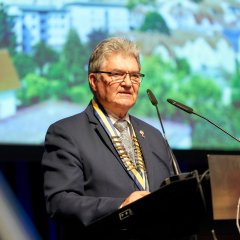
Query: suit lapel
[(103, 135), (100, 130)]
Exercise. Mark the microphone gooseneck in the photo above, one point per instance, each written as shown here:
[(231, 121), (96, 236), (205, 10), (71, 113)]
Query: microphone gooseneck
[(155, 103), (190, 110)]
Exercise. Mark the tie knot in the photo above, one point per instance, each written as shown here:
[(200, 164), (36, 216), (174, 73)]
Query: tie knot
[(121, 125)]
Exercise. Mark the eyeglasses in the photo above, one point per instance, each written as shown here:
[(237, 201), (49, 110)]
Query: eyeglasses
[(135, 77)]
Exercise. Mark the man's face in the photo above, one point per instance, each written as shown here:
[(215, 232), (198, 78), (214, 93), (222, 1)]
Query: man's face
[(117, 97)]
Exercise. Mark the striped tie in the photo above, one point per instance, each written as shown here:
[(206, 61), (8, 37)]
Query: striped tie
[(122, 127)]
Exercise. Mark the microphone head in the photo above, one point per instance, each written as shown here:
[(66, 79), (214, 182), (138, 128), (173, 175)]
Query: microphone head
[(152, 97), (180, 105)]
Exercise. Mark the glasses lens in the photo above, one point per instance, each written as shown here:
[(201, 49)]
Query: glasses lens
[(117, 76), (120, 76), (135, 76)]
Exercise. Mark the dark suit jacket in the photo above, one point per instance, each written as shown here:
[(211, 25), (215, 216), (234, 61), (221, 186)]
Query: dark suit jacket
[(84, 178)]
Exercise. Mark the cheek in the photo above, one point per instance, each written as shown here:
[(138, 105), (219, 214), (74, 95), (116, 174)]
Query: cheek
[(135, 89), (103, 91), (111, 94)]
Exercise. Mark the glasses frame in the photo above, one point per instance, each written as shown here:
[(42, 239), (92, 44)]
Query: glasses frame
[(141, 75)]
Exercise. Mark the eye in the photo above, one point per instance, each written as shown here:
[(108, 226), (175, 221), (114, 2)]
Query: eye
[(135, 75), (117, 74)]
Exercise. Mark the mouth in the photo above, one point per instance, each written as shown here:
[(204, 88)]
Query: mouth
[(125, 93)]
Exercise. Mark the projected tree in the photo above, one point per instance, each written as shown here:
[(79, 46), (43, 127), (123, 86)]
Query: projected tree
[(154, 22), (7, 35), (43, 56), (75, 58)]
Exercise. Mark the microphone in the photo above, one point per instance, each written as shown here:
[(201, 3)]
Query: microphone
[(155, 103), (180, 105), (191, 111)]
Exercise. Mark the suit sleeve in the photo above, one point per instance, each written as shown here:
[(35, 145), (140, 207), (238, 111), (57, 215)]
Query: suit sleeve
[(64, 181)]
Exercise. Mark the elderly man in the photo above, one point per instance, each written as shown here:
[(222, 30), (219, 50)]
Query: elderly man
[(103, 158)]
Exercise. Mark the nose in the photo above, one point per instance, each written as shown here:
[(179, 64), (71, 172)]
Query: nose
[(127, 79)]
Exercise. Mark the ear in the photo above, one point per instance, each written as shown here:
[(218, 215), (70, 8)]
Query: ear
[(92, 81)]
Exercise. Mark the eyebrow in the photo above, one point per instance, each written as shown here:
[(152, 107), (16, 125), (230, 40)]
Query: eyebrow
[(121, 70)]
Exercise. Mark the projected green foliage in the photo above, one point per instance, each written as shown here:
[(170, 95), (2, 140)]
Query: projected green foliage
[(168, 80), (7, 35), (131, 4), (154, 22), (75, 58), (43, 55), (34, 89), (24, 63), (62, 75), (67, 79), (205, 136), (236, 87)]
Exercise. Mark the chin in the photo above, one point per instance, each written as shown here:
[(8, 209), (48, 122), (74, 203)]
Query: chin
[(125, 103)]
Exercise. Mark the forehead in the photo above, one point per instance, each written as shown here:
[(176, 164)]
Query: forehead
[(120, 61)]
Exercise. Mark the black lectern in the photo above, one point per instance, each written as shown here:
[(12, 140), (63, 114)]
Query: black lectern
[(175, 210)]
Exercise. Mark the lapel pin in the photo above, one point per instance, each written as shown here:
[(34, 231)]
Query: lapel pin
[(142, 133)]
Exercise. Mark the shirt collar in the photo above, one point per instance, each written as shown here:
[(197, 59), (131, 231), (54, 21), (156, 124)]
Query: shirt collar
[(115, 118)]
